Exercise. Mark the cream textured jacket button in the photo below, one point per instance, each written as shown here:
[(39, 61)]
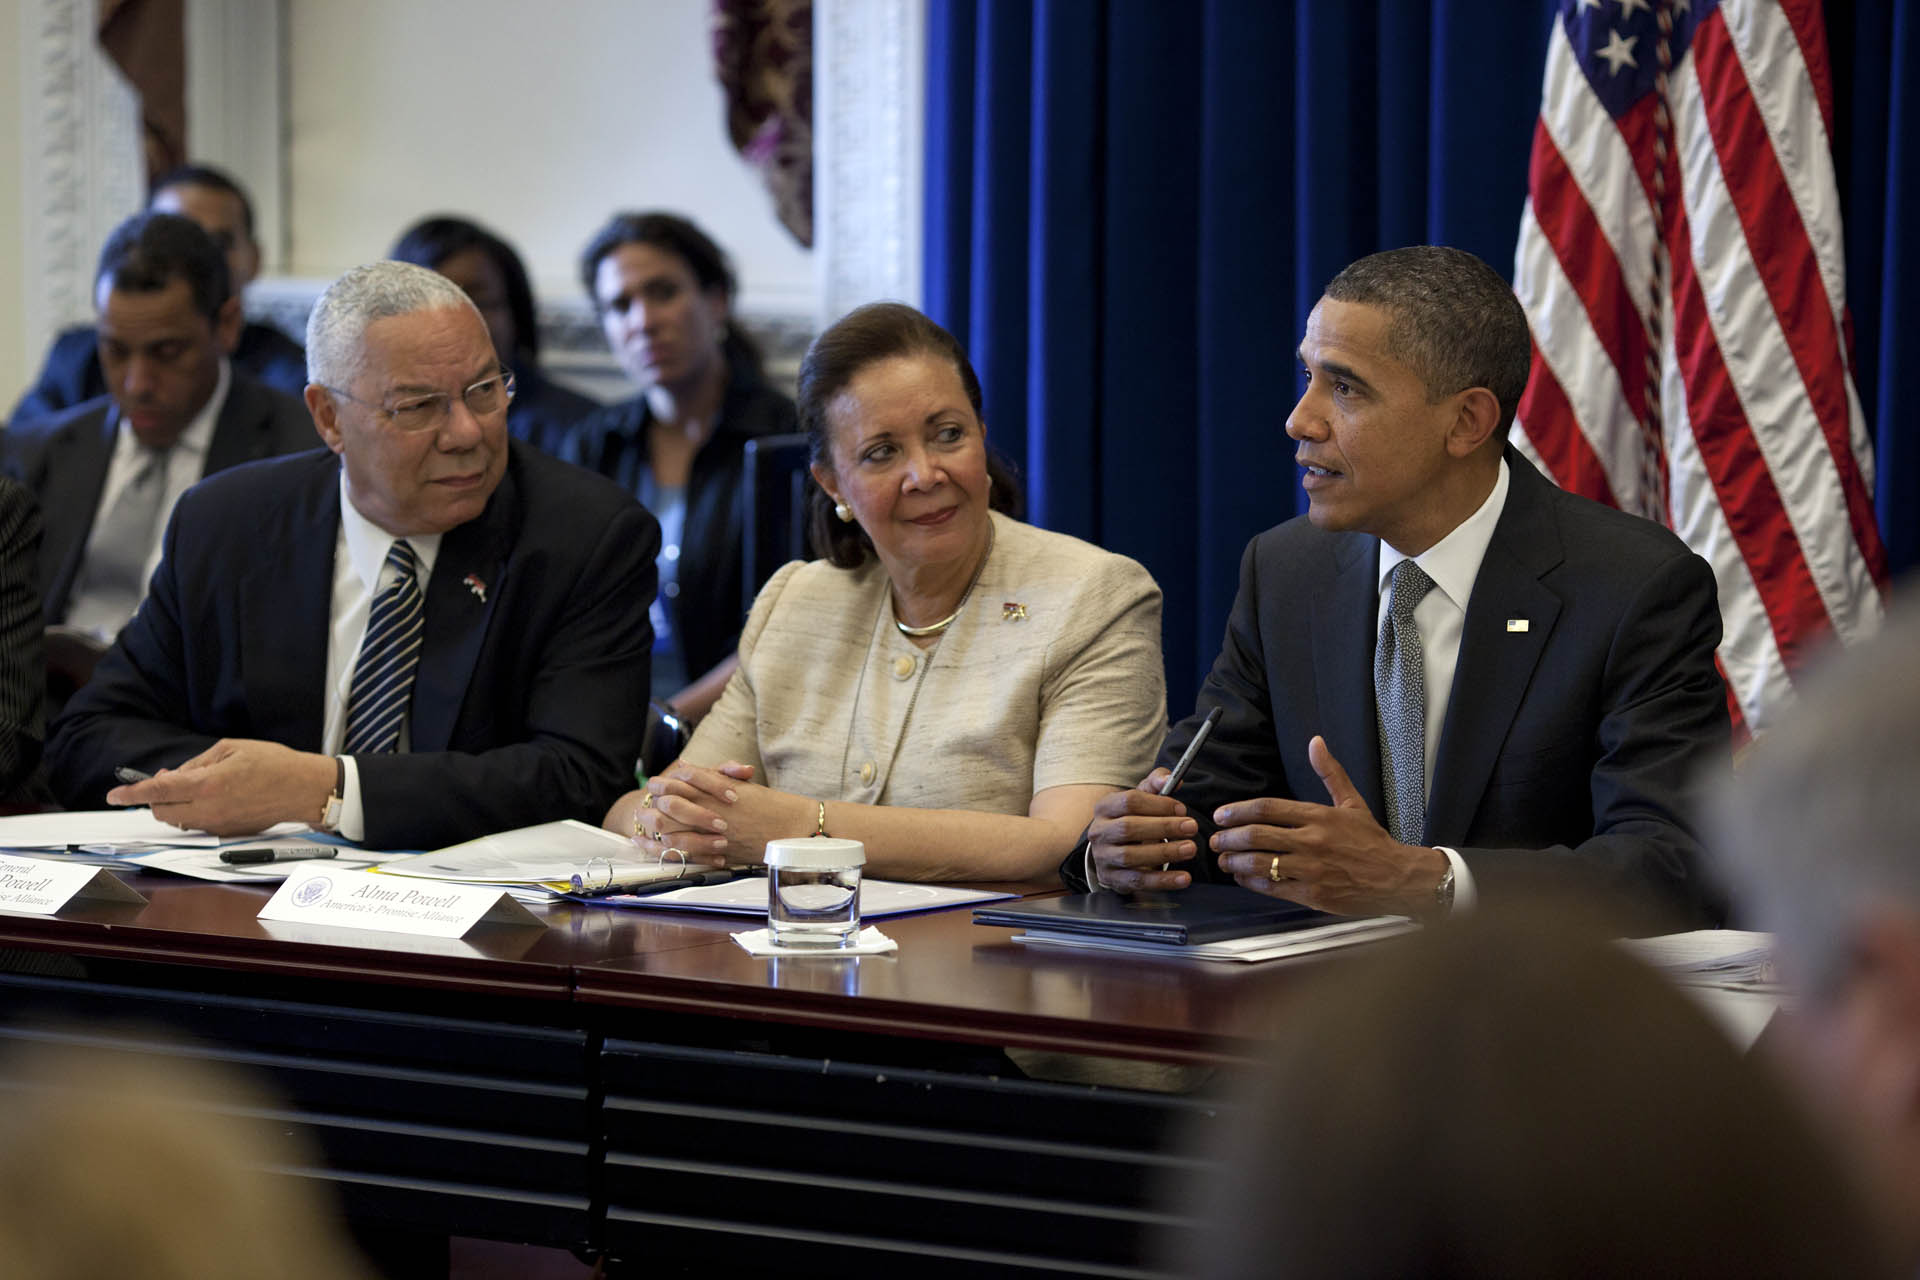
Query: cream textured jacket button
[(866, 773), (902, 667)]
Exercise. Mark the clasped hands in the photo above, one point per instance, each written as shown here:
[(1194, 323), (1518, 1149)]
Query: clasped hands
[(713, 817), (1333, 857), (236, 787)]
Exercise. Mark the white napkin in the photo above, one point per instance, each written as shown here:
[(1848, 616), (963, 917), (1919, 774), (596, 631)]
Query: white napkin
[(869, 942)]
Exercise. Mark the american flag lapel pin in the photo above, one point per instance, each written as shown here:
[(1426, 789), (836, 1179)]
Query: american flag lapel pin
[(479, 588), (1013, 611), (1516, 624)]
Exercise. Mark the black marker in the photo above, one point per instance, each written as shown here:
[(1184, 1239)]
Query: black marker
[(283, 853), (130, 775)]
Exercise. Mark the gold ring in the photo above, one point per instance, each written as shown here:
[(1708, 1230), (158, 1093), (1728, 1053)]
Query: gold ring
[(1273, 869), (639, 832), (646, 799)]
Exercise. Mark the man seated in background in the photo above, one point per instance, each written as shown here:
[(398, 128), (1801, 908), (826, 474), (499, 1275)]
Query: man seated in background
[(1449, 670), (424, 635), (108, 471), (1818, 837), (73, 374)]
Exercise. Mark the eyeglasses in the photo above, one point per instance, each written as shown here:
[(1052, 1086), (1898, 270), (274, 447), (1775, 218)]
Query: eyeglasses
[(430, 412)]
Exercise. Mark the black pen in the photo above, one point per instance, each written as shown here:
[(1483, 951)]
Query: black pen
[(647, 889), (288, 853)]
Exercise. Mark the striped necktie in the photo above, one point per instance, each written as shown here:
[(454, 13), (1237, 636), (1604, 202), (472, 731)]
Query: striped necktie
[(1400, 703), (383, 679)]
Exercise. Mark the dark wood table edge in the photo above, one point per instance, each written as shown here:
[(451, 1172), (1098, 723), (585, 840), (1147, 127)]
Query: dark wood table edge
[(872, 1016)]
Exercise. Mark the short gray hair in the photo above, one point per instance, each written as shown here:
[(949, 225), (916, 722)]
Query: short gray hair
[(1817, 827), (337, 329)]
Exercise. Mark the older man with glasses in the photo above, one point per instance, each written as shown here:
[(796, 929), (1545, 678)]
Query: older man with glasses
[(428, 633)]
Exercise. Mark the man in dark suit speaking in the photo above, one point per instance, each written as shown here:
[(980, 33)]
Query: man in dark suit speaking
[(426, 634), (106, 472), (1450, 670)]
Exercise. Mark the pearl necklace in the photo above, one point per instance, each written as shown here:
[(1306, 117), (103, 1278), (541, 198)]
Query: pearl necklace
[(935, 628)]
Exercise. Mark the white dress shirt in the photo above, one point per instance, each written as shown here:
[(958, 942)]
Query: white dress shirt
[(359, 574), (1441, 616), (185, 463)]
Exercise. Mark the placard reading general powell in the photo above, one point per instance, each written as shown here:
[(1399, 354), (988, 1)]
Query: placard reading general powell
[(390, 904), (39, 887)]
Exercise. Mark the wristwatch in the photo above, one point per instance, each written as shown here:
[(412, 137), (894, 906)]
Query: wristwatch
[(1443, 892), (330, 814)]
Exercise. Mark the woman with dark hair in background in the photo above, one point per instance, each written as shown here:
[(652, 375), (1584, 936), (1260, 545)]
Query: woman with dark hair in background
[(950, 686), (488, 270), (664, 293)]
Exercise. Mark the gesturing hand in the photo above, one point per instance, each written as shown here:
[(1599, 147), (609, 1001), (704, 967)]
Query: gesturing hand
[(1334, 857)]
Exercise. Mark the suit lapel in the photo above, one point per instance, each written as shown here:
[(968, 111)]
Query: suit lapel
[(1343, 609), (1496, 663), (468, 576), (287, 611), (76, 475)]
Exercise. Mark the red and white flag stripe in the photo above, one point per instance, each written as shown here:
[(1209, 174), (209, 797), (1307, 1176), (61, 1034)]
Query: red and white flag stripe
[(1767, 468)]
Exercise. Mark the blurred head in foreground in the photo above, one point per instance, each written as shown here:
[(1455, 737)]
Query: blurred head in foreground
[(113, 1167), (1819, 838), (1517, 1098)]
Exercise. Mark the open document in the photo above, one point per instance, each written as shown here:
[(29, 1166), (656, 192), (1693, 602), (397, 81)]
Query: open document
[(547, 857)]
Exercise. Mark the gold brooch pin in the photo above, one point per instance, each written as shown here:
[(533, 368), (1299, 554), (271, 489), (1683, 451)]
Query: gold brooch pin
[(1013, 611)]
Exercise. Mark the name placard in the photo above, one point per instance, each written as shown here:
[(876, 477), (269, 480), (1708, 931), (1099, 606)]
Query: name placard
[(38, 886), (392, 904)]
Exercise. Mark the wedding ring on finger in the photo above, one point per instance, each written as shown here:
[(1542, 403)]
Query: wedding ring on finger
[(1273, 870), (646, 799)]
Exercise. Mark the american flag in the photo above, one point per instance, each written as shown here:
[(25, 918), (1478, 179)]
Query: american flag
[(1681, 262)]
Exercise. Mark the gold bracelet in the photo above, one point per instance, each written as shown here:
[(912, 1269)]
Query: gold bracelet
[(820, 820)]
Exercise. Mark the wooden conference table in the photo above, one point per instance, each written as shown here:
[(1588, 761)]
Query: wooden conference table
[(633, 1082)]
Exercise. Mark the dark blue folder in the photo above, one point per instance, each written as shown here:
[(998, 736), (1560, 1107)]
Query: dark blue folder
[(1200, 913)]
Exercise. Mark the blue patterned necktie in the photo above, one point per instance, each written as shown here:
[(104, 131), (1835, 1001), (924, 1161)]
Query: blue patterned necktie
[(1400, 703), (390, 654)]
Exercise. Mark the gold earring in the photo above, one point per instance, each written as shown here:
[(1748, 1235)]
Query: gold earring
[(844, 511)]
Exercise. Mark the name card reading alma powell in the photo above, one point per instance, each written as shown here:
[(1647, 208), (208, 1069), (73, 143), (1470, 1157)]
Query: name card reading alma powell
[(38, 887), (391, 904)]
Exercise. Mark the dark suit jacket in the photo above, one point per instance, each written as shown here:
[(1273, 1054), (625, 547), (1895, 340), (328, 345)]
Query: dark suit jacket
[(72, 376), (528, 705), (1573, 741), (708, 612), (23, 668), (64, 461)]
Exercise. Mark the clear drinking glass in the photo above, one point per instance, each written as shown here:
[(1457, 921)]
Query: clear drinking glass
[(813, 890)]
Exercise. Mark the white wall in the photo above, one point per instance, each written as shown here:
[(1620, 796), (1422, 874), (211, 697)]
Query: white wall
[(539, 119), (14, 370)]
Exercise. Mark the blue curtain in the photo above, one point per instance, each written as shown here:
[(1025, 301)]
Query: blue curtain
[(1131, 206)]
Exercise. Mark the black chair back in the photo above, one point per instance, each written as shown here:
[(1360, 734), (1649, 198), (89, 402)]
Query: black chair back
[(774, 488)]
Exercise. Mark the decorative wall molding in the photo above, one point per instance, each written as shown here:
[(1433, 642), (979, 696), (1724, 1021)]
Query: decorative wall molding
[(869, 126), (83, 162), (236, 105)]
